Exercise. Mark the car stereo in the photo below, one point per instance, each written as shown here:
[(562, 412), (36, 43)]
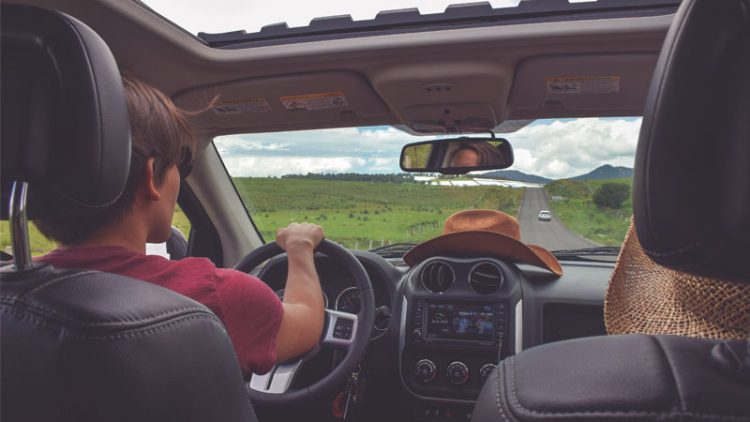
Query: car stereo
[(458, 322)]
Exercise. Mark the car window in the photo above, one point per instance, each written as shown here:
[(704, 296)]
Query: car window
[(349, 181), (40, 245)]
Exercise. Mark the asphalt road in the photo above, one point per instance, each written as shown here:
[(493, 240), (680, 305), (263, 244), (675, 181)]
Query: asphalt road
[(551, 235)]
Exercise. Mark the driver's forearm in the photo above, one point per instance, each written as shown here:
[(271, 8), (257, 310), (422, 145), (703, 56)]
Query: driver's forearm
[(303, 325), (302, 284)]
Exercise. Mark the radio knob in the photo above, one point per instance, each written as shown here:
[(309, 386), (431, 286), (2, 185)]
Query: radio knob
[(485, 372), (416, 334), (457, 373), (425, 370)]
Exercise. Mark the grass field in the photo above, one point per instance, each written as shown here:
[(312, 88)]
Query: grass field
[(40, 245), (364, 215), (361, 215), (579, 214)]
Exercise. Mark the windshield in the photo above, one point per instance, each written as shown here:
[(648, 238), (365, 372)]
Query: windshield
[(349, 182)]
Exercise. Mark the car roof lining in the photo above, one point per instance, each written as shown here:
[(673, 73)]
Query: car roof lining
[(392, 70)]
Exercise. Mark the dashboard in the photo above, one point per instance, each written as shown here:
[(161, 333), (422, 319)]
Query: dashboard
[(442, 326)]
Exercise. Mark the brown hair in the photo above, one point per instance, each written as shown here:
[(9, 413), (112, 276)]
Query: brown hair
[(159, 130), (488, 154)]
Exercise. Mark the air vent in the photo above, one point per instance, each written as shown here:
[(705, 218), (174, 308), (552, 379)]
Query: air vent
[(437, 277), (485, 278)]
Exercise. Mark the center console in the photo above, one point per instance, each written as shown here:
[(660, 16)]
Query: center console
[(459, 318)]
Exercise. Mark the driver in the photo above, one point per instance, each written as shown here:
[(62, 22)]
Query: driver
[(263, 330), (476, 154)]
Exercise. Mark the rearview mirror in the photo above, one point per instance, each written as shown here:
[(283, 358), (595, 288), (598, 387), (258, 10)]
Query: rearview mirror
[(457, 156)]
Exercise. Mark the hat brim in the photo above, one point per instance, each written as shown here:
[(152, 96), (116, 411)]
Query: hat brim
[(644, 297), (482, 243)]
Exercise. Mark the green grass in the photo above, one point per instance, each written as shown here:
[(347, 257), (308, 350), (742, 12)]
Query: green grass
[(40, 245), (361, 215), (579, 214), (364, 215)]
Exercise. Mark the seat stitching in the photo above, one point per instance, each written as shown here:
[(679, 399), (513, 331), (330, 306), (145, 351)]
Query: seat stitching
[(66, 275), (137, 332), (34, 318), (144, 332), (12, 300), (621, 413), (497, 394)]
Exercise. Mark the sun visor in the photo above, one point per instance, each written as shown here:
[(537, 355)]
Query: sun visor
[(581, 85), (265, 104)]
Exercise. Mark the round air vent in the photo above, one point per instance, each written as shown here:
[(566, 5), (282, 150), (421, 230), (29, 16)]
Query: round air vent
[(485, 278), (437, 276)]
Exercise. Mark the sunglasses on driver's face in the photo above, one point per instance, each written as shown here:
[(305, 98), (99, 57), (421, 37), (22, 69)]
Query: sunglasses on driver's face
[(186, 164)]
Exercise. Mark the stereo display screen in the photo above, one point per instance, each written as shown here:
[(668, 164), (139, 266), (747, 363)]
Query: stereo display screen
[(469, 322)]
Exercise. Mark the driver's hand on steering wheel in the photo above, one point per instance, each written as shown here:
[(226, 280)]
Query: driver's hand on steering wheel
[(306, 236)]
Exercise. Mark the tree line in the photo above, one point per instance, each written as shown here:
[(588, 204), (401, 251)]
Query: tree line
[(355, 177)]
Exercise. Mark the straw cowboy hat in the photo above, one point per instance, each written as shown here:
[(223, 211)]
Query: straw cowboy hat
[(483, 232), (644, 297)]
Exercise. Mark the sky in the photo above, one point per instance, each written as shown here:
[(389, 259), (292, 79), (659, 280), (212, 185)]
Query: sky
[(550, 148)]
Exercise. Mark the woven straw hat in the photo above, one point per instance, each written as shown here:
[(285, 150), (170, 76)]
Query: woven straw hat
[(644, 297), (483, 232)]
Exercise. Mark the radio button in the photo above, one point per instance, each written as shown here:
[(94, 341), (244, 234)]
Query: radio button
[(425, 370), (457, 373), (485, 372)]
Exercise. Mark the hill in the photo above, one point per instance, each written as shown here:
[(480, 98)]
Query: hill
[(606, 172), (516, 175)]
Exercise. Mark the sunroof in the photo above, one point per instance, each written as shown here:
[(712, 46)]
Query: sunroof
[(219, 16), (222, 23)]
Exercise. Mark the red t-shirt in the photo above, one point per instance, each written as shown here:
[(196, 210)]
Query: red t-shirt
[(250, 310)]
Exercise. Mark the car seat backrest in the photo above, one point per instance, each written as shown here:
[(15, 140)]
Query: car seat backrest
[(65, 124), (83, 345), (691, 190)]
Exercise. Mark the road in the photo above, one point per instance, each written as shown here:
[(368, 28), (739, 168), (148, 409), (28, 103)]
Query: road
[(551, 235)]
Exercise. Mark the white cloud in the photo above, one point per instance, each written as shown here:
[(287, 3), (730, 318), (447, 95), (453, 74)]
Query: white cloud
[(277, 166), (568, 148), (240, 142)]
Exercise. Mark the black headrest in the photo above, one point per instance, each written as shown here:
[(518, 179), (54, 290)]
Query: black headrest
[(692, 171), (65, 126)]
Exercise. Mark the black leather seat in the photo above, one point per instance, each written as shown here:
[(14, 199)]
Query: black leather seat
[(83, 345), (692, 212)]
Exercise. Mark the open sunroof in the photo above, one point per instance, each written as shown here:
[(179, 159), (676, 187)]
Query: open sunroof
[(391, 21)]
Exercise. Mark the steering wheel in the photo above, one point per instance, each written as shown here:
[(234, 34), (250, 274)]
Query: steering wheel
[(273, 388)]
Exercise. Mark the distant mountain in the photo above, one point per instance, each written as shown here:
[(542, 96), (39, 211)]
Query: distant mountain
[(515, 175), (606, 172)]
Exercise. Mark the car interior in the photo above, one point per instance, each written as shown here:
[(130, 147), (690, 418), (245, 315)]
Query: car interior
[(80, 345)]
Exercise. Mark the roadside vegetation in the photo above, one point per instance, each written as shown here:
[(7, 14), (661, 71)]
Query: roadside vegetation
[(611, 195), (40, 245), (365, 215), (360, 214), (573, 203)]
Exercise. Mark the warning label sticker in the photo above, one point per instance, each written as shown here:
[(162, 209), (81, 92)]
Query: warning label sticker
[(319, 101), (250, 105), (584, 85)]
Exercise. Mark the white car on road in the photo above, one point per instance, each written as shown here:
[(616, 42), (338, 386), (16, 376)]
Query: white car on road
[(545, 215)]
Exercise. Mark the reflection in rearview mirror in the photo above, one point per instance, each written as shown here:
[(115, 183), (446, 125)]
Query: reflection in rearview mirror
[(457, 156), (416, 156)]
